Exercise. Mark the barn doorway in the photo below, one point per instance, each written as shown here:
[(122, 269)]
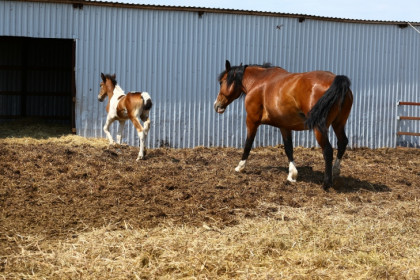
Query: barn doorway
[(37, 80)]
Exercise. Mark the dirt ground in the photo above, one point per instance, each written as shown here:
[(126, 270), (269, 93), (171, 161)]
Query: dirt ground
[(61, 189)]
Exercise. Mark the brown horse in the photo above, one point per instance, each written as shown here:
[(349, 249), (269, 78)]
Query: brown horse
[(122, 107), (290, 101)]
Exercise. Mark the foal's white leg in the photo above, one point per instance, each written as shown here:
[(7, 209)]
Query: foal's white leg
[(141, 132), (120, 132), (147, 126), (292, 172), (336, 167), (142, 136), (241, 166), (146, 121), (108, 122), (146, 129)]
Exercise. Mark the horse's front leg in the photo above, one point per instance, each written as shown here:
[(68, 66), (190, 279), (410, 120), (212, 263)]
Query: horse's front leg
[(288, 147), (251, 132), (108, 122), (120, 131)]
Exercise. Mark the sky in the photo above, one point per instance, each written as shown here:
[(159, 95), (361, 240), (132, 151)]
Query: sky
[(383, 10)]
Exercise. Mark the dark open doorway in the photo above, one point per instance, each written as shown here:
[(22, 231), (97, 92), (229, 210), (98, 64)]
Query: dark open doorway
[(37, 79)]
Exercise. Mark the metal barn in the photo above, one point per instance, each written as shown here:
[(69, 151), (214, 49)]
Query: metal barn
[(52, 53)]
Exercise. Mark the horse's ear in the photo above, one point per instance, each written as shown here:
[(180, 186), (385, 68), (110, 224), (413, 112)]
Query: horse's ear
[(114, 77), (103, 77), (227, 65)]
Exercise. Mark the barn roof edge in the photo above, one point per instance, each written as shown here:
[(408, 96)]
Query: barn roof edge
[(202, 10)]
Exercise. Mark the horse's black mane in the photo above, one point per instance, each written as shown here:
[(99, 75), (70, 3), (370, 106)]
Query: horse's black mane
[(111, 78), (236, 73)]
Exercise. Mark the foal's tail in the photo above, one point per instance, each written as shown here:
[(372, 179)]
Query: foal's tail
[(317, 116), (147, 100)]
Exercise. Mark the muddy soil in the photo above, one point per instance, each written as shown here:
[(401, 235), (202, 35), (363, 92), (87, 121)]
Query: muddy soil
[(60, 190)]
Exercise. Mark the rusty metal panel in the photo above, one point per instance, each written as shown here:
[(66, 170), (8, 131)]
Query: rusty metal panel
[(176, 56)]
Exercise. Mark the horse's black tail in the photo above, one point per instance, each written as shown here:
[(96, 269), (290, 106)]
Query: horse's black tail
[(317, 116)]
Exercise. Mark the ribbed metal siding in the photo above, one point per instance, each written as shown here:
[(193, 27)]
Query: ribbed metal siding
[(176, 56)]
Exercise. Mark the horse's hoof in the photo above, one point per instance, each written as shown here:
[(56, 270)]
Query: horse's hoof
[(326, 187), (336, 172), (241, 166), (290, 179), (293, 173)]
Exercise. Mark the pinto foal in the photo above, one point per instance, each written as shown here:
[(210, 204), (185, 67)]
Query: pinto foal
[(121, 107)]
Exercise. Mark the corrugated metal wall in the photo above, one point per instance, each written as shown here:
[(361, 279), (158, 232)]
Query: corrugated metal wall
[(177, 55)]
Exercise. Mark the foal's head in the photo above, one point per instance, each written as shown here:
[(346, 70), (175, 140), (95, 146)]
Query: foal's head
[(106, 86), (230, 86)]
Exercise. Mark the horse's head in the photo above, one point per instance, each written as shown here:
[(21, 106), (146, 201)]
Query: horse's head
[(106, 86), (230, 86)]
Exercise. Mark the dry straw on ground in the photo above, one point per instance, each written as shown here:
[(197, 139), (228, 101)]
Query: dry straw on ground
[(73, 208), (301, 247)]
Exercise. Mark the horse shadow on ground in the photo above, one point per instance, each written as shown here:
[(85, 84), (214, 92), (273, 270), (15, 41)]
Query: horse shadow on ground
[(342, 184)]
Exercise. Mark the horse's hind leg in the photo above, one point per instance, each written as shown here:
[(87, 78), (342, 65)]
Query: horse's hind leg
[(342, 142), (146, 121), (141, 134), (120, 131), (327, 151), (288, 147)]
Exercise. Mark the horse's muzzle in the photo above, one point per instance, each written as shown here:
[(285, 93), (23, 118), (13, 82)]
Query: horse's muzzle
[(219, 108), (100, 98)]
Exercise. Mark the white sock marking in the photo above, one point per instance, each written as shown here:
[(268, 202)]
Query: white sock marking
[(141, 151), (292, 172), (241, 166), (336, 168)]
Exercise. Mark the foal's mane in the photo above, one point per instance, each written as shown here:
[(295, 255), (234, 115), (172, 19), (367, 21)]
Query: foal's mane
[(111, 78), (236, 73)]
